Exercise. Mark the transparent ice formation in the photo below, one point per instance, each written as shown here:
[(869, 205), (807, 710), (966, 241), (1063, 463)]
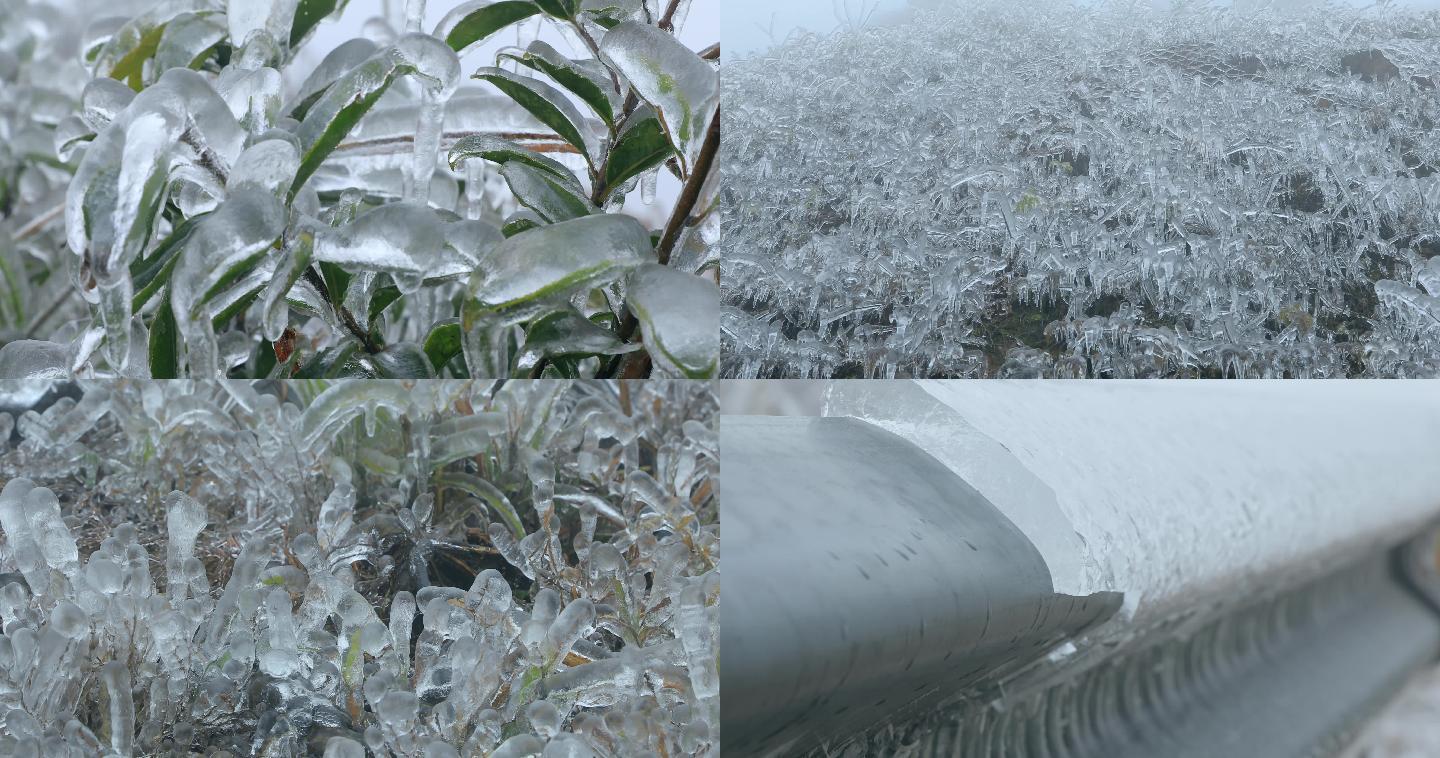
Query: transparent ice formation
[(1087, 189), (227, 215), (435, 568)]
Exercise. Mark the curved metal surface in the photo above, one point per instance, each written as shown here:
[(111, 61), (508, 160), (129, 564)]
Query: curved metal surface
[(867, 580), (1288, 676)]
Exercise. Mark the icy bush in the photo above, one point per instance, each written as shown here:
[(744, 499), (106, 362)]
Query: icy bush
[(1092, 189), (224, 224), (438, 568), (40, 84)]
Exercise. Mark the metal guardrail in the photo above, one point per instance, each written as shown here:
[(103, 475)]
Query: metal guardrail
[(940, 577)]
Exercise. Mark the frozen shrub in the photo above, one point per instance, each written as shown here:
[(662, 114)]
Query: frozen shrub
[(376, 217), (433, 568), (1087, 189)]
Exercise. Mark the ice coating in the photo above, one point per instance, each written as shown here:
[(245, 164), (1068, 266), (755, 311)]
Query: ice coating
[(684, 89), (420, 55), (346, 56), (33, 359), (102, 101), (558, 259), (1160, 197), (406, 240), (246, 17), (678, 314), (439, 70), (133, 156), (246, 226)]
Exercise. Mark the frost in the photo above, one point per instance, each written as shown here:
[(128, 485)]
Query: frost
[(1085, 189), (326, 580)]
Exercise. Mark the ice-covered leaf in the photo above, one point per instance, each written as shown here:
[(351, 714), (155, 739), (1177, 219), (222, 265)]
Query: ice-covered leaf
[(557, 260), (152, 272), (346, 56), (553, 200), (567, 332), (214, 267), (342, 105), (403, 360), (308, 14), (442, 344), (406, 240), (477, 20), (520, 221), (188, 39), (641, 146), (587, 79), (547, 104), (33, 359), (502, 151), (679, 317), (684, 89)]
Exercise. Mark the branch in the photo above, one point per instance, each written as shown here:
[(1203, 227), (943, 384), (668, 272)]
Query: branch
[(38, 223), (690, 195), (667, 21)]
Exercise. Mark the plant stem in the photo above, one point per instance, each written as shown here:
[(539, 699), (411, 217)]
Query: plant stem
[(346, 317), (39, 222), (34, 328), (667, 21), (690, 195)]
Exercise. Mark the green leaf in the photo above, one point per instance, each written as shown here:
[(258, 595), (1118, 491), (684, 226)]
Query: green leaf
[(328, 363), (382, 299), (502, 151), (442, 344), (403, 360), (592, 87), (545, 103), (565, 9), (130, 68), (521, 221), (538, 191), (477, 25), (336, 113), (151, 273), (639, 148), (164, 343), (682, 87), (309, 13), (336, 279)]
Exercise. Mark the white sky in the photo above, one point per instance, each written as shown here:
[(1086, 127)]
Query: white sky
[(750, 26)]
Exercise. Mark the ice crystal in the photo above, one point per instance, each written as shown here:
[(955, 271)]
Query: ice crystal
[(432, 568), (1087, 190)]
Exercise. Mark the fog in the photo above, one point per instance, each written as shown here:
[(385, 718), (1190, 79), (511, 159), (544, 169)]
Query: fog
[(750, 26)]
